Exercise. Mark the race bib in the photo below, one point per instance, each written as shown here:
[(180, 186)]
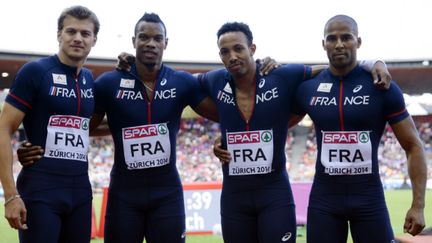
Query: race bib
[(346, 152), (146, 146), (251, 152), (67, 138)]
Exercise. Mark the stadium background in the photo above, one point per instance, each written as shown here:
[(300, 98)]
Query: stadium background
[(196, 162)]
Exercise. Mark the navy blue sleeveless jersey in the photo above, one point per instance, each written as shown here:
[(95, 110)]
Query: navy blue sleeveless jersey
[(347, 113), (131, 114), (275, 94), (45, 88)]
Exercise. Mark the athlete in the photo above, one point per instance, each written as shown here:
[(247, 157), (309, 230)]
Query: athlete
[(143, 109), (256, 201), (53, 97), (349, 115)]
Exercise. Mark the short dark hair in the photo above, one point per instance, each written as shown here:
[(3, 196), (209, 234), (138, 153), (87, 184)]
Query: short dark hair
[(150, 17), (81, 13), (234, 27)]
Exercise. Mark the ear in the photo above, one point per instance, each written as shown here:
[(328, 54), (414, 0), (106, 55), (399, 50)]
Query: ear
[(133, 42), (166, 43), (58, 35), (323, 45), (359, 42), (253, 49), (94, 41)]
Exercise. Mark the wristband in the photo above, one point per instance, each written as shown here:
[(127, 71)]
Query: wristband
[(11, 199)]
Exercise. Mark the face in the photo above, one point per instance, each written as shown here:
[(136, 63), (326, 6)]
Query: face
[(341, 43), (150, 42), (235, 53), (76, 39)]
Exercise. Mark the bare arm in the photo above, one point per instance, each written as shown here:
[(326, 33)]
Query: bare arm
[(207, 109), (379, 71), (15, 211), (407, 135)]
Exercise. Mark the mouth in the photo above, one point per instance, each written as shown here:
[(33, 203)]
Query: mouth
[(77, 47), (149, 54), (339, 55), (234, 67)]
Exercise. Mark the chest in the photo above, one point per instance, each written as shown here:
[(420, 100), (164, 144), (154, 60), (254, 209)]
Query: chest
[(351, 104), (73, 97)]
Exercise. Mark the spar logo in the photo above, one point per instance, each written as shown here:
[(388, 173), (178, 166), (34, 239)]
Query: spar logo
[(162, 128), (341, 137), (364, 137), (266, 136), (249, 137), (69, 121), (140, 132), (243, 137)]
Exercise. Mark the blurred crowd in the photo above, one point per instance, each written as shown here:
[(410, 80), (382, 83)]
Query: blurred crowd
[(197, 163)]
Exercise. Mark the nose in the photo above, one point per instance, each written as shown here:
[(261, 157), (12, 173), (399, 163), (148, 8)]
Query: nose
[(78, 37), (232, 57), (339, 43), (151, 43)]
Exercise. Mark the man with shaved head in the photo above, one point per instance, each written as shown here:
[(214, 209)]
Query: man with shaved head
[(350, 115)]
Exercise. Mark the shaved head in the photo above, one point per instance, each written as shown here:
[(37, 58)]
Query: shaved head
[(342, 18)]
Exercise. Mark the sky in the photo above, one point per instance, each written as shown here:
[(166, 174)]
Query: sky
[(288, 31)]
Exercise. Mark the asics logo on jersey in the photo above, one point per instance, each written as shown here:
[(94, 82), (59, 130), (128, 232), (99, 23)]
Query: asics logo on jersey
[(70, 93), (287, 236), (261, 83), (357, 88), (163, 82)]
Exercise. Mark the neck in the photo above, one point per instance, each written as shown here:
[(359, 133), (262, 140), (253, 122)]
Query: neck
[(342, 71), (71, 62), (147, 73), (245, 82)]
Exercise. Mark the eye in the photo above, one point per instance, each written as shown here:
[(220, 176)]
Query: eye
[(331, 38), (86, 33), (70, 31), (223, 52), (347, 37), (159, 38), (238, 49)]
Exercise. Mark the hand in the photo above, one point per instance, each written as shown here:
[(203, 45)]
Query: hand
[(267, 65), (223, 155), (28, 154), (16, 214), (414, 221), (381, 75), (125, 62)]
